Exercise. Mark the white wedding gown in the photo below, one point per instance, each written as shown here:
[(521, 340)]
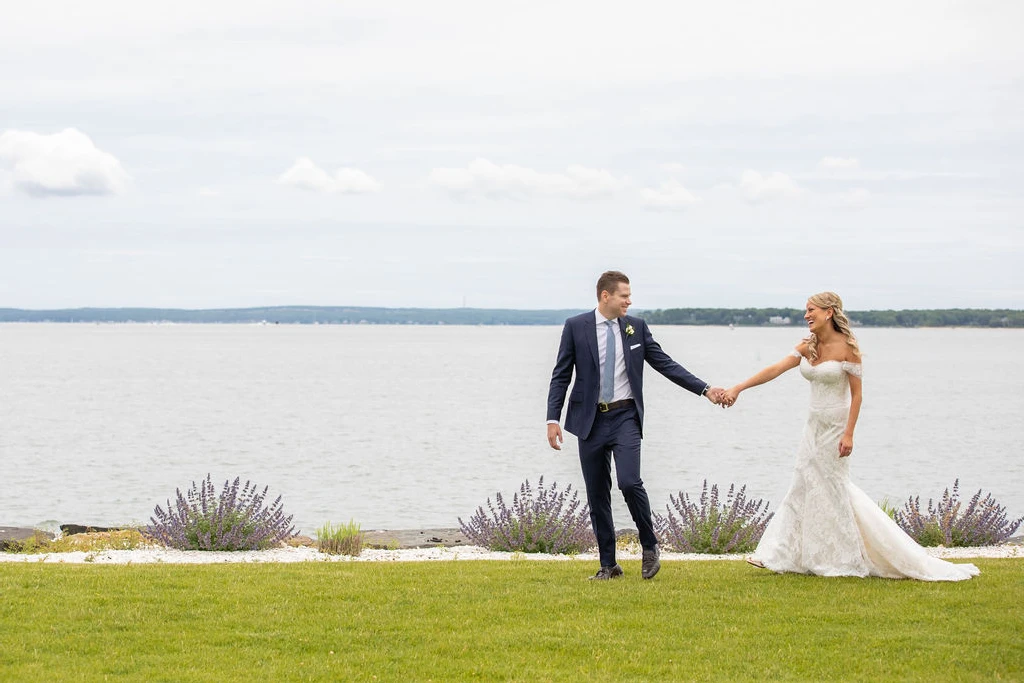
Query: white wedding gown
[(827, 526)]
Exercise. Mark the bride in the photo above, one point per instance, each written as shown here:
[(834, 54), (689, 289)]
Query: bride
[(826, 525)]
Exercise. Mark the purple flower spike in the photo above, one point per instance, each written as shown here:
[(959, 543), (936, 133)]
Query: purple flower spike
[(983, 522), (734, 526), (545, 521), (199, 520)]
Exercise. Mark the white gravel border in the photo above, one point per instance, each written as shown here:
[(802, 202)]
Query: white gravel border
[(308, 554)]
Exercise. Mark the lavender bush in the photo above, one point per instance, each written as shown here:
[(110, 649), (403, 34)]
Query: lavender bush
[(948, 523), (236, 520), (548, 521), (710, 527)]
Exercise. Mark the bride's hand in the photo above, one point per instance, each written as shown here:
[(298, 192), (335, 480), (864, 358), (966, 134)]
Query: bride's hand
[(730, 396), (845, 446)]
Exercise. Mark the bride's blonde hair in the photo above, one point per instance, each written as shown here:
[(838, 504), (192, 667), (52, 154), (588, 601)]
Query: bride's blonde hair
[(840, 323)]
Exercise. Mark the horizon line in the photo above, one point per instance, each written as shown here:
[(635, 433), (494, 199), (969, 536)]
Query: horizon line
[(461, 308)]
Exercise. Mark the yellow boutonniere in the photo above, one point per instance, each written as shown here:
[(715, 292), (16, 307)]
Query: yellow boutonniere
[(629, 330)]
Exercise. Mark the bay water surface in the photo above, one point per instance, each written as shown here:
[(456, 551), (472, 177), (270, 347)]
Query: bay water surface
[(414, 426)]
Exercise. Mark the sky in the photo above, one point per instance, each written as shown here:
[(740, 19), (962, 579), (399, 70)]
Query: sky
[(502, 155)]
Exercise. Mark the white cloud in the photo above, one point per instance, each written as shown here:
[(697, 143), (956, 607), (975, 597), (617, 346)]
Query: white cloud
[(671, 196), (208, 192), (61, 164), (306, 175), (856, 198), (757, 188), (487, 179), (924, 99), (838, 162)]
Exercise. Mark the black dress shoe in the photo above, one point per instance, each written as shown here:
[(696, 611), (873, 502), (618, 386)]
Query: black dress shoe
[(651, 564), (605, 573)]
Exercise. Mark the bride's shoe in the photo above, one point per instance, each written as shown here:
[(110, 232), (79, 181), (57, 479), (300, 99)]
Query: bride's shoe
[(757, 563)]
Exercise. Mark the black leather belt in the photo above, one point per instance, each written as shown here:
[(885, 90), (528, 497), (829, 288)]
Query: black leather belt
[(614, 405)]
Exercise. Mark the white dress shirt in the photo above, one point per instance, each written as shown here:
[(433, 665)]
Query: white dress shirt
[(622, 388)]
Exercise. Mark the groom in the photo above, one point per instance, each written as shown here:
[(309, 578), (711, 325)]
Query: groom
[(607, 349)]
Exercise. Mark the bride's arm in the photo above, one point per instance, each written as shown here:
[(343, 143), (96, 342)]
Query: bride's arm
[(856, 398), (764, 376)]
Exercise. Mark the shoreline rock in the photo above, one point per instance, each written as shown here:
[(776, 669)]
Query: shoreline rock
[(9, 535), (72, 529), (402, 539)]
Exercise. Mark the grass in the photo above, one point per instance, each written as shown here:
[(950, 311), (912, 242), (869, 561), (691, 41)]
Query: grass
[(888, 508), (512, 620), (94, 541), (340, 539)]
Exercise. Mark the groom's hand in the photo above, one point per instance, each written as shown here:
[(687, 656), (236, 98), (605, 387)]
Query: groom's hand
[(555, 436)]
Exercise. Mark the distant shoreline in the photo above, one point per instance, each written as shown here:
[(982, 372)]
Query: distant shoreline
[(353, 315)]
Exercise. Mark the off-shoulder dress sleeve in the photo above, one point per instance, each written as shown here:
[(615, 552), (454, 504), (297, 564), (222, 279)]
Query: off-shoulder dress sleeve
[(853, 369)]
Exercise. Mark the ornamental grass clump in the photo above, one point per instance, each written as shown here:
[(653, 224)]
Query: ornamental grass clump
[(888, 508), (341, 539), (235, 520), (545, 521), (734, 526), (948, 523)]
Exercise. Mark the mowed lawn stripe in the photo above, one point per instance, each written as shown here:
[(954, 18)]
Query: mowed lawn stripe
[(501, 620)]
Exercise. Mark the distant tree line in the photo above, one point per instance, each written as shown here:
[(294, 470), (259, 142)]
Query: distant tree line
[(352, 315), (951, 317), (292, 315)]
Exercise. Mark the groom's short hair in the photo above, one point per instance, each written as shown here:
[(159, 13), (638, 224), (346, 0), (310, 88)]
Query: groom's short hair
[(609, 282)]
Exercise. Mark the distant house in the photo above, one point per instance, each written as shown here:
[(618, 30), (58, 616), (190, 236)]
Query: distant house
[(778, 320)]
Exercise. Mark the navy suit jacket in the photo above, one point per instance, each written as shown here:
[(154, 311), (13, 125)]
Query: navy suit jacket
[(578, 352)]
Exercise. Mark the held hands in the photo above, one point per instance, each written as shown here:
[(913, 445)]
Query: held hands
[(714, 394), (721, 397), (730, 396)]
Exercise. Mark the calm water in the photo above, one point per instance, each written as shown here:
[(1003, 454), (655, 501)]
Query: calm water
[(412, 427)]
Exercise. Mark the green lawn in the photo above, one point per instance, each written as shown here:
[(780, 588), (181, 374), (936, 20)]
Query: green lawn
[(517, 620)]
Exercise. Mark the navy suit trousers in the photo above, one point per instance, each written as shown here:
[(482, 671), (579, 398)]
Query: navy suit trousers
[(615, 434)]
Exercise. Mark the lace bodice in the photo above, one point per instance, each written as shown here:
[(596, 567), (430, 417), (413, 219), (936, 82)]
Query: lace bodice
[(830, 386)]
